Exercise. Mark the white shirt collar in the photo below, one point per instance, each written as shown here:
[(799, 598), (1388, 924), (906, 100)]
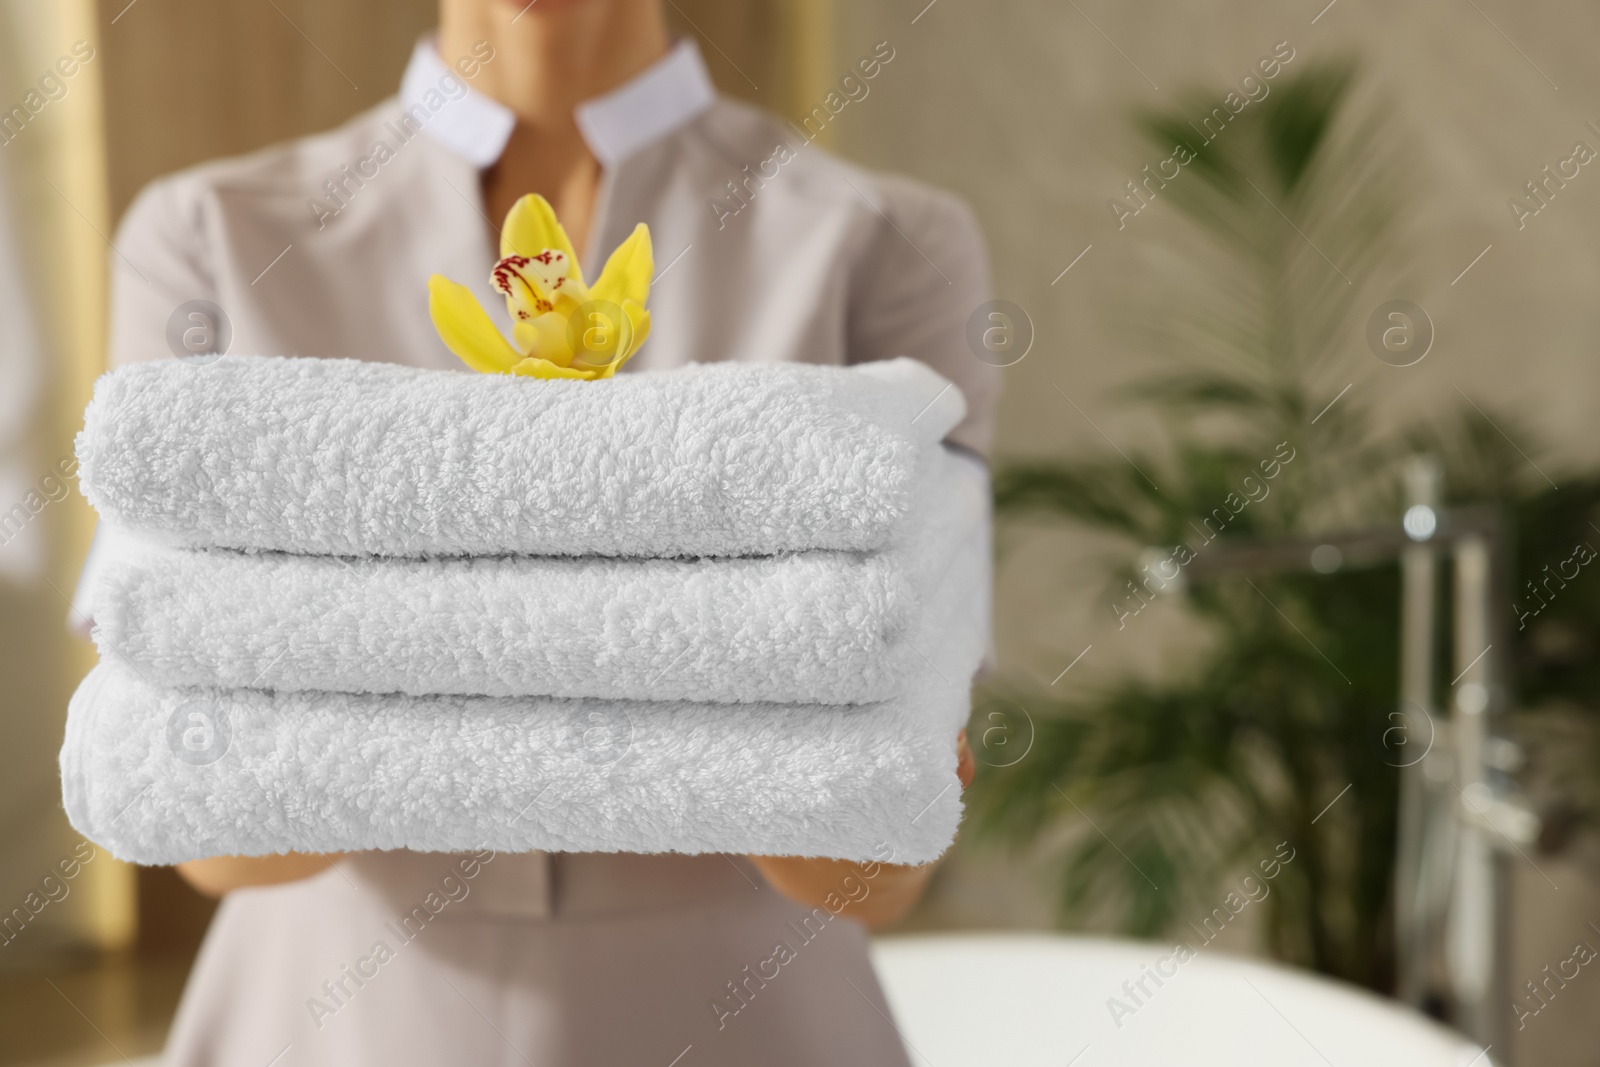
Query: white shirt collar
[(467, 123), (669, 94), (673, 91)]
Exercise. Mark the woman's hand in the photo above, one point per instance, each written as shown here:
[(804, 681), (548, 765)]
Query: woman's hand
[(891, 891), (966, 766), (220, 875)]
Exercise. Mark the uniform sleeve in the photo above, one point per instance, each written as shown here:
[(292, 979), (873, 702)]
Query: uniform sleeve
[(158, 264), (924, 272)]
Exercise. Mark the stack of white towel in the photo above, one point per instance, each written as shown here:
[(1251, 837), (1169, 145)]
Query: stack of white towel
[(727, 608)]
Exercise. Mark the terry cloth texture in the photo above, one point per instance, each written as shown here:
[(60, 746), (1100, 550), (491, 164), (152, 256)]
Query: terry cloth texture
[(810, 627), (347, 458), (729, 608), (159, 775)]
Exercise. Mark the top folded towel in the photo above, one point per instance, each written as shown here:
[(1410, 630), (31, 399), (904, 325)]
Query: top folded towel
[(349, 458)]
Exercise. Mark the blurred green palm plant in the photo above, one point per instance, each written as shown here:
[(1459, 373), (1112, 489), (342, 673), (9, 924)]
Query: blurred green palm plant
[(1155, 792)]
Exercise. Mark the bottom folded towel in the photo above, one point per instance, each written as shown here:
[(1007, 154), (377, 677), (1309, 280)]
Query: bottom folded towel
[(161, 776)]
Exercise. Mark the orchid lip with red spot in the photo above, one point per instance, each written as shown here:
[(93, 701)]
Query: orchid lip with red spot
[(509, 271)]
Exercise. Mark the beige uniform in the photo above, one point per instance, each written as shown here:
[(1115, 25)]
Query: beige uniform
[(323, 247)]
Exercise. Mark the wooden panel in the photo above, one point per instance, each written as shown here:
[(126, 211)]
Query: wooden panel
[(742, 43), (191, 80), (56, 190), (774, 54)]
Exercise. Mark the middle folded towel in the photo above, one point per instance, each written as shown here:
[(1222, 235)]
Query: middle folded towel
[(811, 627)]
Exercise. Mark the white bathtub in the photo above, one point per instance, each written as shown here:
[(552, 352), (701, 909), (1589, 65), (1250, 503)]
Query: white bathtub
[(1039, 999)]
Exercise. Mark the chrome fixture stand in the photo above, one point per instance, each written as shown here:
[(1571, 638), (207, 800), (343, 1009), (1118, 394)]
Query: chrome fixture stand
[(1461, 816)]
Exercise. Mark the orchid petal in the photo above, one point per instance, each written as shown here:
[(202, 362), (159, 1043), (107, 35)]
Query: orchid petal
[(629, 271), (640, 318), (466, 329), (543, 368), (605, 359), (546, 337)]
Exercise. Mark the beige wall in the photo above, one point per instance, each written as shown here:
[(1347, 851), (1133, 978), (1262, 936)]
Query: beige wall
[(1023, 107)]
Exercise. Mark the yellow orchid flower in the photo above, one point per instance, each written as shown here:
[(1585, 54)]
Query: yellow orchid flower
[(561, 327)]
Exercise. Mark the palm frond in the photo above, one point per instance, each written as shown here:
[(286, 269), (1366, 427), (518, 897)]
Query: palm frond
[(1151, 793)]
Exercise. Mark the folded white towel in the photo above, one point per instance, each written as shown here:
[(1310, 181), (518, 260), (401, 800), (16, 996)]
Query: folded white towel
[(340, 457), (162, 776), (813, 627)]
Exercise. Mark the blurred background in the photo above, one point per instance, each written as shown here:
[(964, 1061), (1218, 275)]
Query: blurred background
[(1196, 350)]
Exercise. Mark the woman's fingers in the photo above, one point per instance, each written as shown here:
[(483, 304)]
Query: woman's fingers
[(966, 767)]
